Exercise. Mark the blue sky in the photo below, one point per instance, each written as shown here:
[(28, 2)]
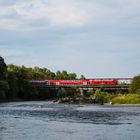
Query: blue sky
[(96, 38)]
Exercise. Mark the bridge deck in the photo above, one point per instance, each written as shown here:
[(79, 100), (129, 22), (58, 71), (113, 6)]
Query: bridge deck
[(84, 86)]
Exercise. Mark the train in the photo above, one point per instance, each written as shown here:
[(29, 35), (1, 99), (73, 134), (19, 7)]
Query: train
[(75, 82)]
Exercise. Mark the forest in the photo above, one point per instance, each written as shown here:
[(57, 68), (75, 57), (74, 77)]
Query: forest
[(14, 81)]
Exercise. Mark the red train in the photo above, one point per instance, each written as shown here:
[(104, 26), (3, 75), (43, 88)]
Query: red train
[(74, 82)]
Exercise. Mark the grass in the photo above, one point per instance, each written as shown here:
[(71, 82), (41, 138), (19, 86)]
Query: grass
[(126, 99), (120, 98), (103, 98)]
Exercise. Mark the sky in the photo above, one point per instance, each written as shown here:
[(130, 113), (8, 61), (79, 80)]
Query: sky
[(96, 38)]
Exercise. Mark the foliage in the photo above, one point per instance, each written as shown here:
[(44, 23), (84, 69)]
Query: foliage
[(4, 87), (64, 75), (82, 77), (3, 69), (69, 92), (135, 85), (37, 73), (100, 96), (61, 93), (126, 99), (3, 83), (90, 93), (14, 83)]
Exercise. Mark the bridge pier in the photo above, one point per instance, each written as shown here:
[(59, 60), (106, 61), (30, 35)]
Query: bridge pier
[(83, 91)]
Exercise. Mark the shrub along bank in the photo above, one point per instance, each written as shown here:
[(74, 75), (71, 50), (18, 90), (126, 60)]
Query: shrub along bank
[(100, 97)]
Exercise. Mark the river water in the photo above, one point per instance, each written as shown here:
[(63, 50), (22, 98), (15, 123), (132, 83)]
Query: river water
[(52, 121)]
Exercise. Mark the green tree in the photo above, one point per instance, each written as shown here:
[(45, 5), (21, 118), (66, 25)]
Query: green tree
[(18, 79), (13, 68), (13, 85), (3, 69), (3, 83), (135, 85), (100, 97), (64, 75), (72, 76), (82, 77), (90, 92), (61, 93), (4, 87), (58, 75)]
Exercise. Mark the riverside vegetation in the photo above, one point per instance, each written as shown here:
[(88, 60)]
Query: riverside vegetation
[(15, 85)]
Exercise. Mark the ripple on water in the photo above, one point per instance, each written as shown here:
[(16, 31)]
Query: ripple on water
[(28, 120)]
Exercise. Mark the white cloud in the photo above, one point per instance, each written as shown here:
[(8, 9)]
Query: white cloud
[(65, 13), (58, 13)]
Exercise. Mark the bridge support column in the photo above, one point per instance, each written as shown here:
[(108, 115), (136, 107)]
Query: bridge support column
[(83, 91)]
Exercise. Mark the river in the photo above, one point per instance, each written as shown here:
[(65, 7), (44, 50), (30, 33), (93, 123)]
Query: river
[(51, 121)]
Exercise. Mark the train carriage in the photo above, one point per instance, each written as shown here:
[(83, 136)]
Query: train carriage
[(74, 82)]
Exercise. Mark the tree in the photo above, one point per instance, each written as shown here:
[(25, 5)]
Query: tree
[(3, 68), (18, 79), (82, 77), (62, 75), (135, 85), (72, 76), (90, 92), (65, 75), (4, 87), (100, 96), (13, 68), (61, 93), (13, 85), (3, 83)]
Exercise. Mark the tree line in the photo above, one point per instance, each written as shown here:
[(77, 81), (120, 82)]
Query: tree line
[(14, 82)]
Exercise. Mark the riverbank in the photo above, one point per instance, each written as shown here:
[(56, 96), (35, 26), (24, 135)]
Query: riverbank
[(122, 105), (11, 100), (125, 99), (103, 98)]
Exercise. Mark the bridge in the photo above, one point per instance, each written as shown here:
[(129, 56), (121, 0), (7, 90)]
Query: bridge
[(123, 85)]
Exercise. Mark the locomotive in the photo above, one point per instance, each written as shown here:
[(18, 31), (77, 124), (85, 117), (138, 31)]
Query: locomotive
[(75, 82)]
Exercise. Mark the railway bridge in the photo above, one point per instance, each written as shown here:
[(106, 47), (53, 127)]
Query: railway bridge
[(122, 85)]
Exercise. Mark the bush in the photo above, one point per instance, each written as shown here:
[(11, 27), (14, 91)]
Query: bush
[(126, 99), (61, 93), (100, 97), (90, 93), (135, 85), (3, 89)]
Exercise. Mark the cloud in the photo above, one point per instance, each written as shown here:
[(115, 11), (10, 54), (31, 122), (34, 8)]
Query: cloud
[(57, 13), (96, 37), (64, 13)]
